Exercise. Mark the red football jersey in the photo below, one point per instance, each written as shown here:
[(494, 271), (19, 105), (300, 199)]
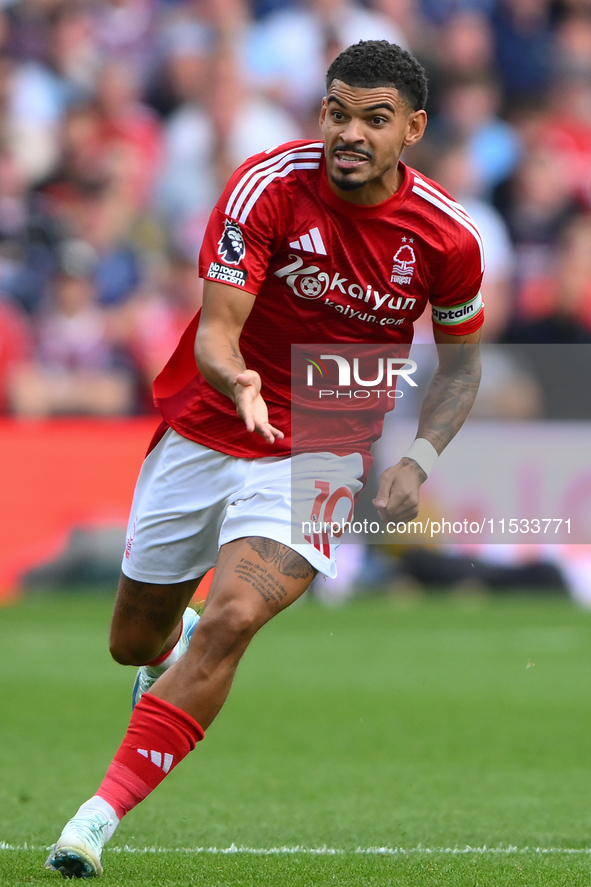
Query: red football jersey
[(323, 270)]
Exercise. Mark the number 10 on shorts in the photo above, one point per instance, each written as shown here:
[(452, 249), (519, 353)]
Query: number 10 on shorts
[(327, 517)]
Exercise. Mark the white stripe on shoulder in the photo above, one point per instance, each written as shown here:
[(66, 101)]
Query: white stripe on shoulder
[(251, 185), (249, 179), (439, 193), (451, 208), (277, 174)]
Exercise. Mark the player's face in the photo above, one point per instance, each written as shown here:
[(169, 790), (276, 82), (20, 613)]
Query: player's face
[(365, 131)]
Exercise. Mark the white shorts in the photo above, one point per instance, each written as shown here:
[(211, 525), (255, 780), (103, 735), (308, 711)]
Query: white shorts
[(190, 500)]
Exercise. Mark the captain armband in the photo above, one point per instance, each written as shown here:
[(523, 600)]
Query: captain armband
[(454, 314)]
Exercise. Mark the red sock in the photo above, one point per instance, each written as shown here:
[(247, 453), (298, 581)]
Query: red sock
[(159, 736)]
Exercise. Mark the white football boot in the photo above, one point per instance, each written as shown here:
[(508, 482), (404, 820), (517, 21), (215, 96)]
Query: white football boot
[(77, 853), (148, 674)]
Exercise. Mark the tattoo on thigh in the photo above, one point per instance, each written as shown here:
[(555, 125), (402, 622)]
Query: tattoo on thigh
[(142, 605), (263, 581), (287, 561)]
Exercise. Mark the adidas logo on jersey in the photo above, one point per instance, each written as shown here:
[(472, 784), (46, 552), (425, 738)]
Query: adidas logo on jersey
[(162, 761), (310, 242)]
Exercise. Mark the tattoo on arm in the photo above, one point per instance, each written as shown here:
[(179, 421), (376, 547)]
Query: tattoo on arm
[(287, 561), (450, 395), (237, 359)]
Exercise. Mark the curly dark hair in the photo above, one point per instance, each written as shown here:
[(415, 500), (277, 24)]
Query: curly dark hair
[(372, 63)]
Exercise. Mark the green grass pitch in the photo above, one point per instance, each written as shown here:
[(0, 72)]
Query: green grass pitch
[(428, 743)]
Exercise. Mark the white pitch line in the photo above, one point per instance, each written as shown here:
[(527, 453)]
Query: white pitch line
[(329, 851)]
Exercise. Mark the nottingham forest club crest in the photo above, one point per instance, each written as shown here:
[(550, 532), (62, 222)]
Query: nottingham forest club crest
[(231, 246), (404, 262)]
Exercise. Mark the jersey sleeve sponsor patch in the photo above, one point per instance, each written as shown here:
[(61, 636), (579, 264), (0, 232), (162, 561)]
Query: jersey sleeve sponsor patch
[(453, 315), (234, 254), (231, 246), (250, 218), (225, 274)]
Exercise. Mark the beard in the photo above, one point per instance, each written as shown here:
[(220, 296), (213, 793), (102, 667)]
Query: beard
[(345, 182), (345, 179)]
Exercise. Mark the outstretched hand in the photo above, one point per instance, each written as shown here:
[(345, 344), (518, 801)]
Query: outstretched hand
[(398, 491), (252, 408)]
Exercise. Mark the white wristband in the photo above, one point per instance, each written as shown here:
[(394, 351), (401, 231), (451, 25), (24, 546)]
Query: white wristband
[(424, 454)]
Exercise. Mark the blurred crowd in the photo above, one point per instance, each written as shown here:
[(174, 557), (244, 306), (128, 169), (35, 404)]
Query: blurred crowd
[(120, 121)]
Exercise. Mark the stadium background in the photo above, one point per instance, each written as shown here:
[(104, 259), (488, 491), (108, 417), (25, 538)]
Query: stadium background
[(120, 121), (403, 738)]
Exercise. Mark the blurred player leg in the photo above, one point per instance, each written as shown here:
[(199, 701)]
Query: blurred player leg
[(148, 674), (147, 619), (141, 632)]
